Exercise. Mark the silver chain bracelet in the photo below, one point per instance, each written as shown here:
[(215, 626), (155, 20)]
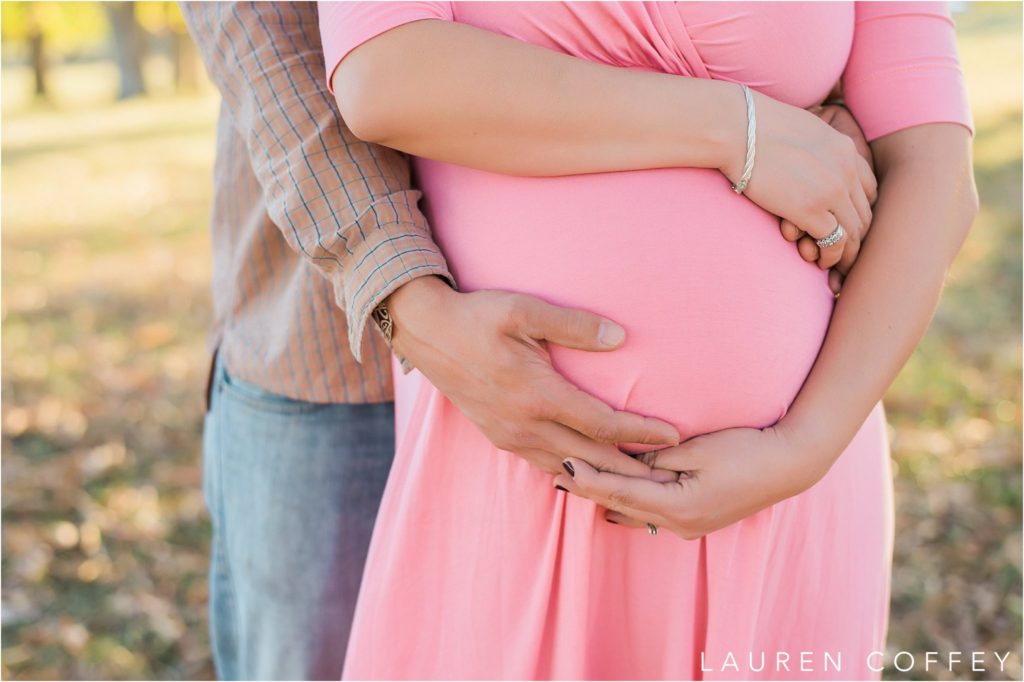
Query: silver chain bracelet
[(748, 165)]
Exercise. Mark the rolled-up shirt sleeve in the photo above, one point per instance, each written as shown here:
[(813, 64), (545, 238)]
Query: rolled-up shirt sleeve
[(903, 68), (345, 205)]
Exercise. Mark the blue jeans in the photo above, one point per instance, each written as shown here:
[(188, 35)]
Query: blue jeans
[(292, 489)]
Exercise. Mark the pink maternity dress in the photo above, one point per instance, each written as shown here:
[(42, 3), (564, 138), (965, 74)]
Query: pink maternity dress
[(478, 567)]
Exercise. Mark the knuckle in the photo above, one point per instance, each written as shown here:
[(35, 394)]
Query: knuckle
[(852, 174), (603, 432), (644, 435), (540, 408), (522, 437), (576, 324), (838, 192), (524, 408), (865, 224), (815, 202), (541, 412), (621, 498)]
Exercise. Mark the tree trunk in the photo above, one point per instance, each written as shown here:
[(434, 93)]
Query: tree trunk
[(37, 52), (129, 45), (38, 56)]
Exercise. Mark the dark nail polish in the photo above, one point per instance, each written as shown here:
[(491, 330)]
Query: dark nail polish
[(564, 490), (567, 465)]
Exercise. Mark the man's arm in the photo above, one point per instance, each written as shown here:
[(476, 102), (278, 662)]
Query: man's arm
[(345, 205), (348, 206)]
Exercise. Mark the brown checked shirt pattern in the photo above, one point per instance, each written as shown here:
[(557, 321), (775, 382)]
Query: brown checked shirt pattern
[(311, 227)]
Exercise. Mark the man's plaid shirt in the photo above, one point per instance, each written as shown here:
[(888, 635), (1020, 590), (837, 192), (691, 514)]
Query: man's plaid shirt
[(311, 227)]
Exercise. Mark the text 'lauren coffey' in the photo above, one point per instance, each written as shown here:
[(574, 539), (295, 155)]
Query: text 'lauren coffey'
[(824, 661)]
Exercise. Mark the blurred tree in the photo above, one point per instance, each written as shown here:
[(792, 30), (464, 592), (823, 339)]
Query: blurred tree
[(41, 34), (130, 45), (164, 19), (37, 52), (50, 28), (186, 58), (68, 27)]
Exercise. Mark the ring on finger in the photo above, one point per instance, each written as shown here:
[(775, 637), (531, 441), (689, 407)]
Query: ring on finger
[(832, 239), (652, 529)]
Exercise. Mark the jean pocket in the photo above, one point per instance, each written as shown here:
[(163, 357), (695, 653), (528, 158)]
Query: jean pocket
[(261, 399)]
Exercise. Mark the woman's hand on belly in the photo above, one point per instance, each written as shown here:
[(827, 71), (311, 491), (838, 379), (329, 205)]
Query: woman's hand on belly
[(485, 351), (716, 480)]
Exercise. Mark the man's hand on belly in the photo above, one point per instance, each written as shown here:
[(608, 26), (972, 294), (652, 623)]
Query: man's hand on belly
[(486, 352)]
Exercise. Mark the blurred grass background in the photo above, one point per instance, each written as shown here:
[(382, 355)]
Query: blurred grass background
[(105, 270)]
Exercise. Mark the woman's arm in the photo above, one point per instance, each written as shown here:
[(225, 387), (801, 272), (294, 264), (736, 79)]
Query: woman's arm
[(927, 201), (459, 94)]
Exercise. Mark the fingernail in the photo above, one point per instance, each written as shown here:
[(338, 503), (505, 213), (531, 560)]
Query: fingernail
[(567, 465), (564, 490), (610, 521), (610, 334)]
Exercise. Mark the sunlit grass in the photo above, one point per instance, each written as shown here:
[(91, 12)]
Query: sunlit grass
[(106, 267)]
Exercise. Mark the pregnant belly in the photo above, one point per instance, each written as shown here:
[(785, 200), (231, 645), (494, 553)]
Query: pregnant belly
[(723, 319)]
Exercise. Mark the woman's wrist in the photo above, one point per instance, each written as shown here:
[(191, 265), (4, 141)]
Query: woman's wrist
[(814, 444), (726, 132)]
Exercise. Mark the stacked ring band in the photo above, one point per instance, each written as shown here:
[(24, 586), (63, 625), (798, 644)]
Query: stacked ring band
[(832, 239)]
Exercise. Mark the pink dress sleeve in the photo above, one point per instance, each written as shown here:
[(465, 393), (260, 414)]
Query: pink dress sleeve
[(344, 26), (903, 68)]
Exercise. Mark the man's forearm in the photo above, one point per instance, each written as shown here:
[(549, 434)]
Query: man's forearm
[(927, 201), (346, 206)]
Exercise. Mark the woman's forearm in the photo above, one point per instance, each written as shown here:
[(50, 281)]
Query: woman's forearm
[(516, 108), (926, 203)]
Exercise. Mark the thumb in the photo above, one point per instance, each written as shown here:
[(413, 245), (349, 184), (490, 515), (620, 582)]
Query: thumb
[(569, 327)]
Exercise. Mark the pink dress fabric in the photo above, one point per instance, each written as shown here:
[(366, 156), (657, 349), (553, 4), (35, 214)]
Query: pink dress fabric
[(478, 568)]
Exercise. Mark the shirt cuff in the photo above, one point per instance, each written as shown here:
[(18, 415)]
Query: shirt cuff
[(389, 246)]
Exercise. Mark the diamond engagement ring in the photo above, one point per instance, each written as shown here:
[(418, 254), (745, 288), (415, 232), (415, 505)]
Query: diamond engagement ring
[(833, 239)]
